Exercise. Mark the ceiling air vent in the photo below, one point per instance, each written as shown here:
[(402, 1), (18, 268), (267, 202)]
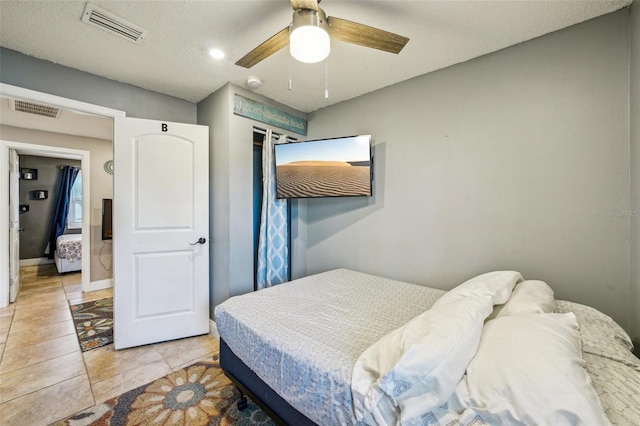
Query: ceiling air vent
[(102, 19), (37, 109)]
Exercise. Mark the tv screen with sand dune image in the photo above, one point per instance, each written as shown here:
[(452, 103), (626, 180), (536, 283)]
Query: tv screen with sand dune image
[(337, 167)]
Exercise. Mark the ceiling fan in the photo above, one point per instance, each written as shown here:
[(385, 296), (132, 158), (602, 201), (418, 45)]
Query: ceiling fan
[(310, 31)]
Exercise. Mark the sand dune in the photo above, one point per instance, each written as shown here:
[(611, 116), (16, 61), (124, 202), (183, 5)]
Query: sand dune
[(318, 163), (322, 180)]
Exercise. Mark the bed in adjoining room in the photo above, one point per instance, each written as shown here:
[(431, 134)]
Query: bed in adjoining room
[(68, 253), (343, 347)]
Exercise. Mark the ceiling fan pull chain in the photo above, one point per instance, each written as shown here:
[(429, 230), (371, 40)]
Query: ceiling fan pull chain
[(290, 71), (326, 78)]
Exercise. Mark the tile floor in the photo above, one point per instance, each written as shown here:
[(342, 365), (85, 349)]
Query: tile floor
[(43, 375)]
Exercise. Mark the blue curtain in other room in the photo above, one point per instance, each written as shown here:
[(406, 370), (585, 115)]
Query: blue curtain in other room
[(68, 176), (273, 244)]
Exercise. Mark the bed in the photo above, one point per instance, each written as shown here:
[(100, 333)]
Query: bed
[(68, 253), (343, 347)]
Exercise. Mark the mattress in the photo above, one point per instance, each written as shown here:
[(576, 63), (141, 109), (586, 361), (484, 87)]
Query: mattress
[(309, 363), (614, 370), (69, 247)]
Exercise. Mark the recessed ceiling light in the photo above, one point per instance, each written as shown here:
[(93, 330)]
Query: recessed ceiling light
[(217, 53)]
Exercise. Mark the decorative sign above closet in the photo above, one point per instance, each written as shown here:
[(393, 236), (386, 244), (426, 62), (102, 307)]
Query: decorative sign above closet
[(266, 114)]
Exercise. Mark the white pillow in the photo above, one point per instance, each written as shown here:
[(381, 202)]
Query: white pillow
[(529, 370), (497, 285), (528, 297)]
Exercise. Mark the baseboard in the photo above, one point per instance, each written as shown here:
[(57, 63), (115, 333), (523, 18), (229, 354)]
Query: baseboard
[(99, 285), (36, 261), (213, 329)]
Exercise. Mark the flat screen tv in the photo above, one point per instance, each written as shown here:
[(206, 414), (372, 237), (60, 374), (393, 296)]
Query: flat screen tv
[(107, 219), (337, 167)]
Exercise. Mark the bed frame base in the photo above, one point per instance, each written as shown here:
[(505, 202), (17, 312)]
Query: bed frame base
[(265, 397)]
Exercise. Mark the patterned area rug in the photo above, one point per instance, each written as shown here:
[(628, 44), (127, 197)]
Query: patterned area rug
[(94, 323), (199, 395)]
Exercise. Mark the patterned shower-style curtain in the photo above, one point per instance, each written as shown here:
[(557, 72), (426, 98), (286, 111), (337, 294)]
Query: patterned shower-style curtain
[(273, 243)]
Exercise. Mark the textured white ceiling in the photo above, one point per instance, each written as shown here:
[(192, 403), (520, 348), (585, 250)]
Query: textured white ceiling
[(173, 59)]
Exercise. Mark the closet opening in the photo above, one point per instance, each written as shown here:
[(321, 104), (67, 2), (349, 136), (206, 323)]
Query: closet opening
[(258, 187)]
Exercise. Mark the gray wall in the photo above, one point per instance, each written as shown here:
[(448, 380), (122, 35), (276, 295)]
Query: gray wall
[(635, 173), (231, 197), (28, 72), (37, 221), (44, 76), (508, 161)]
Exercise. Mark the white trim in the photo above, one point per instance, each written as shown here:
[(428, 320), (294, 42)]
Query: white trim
[(45, 98), (36, 261), (98, 285), (16, 92), (213, 329)]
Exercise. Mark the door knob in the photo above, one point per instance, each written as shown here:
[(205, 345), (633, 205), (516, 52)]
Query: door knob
[(200, 241)]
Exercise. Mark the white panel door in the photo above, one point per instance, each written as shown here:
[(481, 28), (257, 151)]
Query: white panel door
[(160, 231), (14, 225)]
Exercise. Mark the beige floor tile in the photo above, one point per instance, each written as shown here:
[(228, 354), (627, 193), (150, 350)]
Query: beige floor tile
[(45, 303), (47, 405), (40, 271), (207, 357), (36, 286), (30, 280), (41, 293), (19, 358), (30, 337), (177, 352), (5, 322), (92, 295), (29, 269), (75, 297), (35, 290), (30, 379), (40, 284), (106, 362), (73, 289), (43, 314), (3, 335), (8, 311), (35, 320), (52, 294), (71, 279), (129, 380), (47, 269)]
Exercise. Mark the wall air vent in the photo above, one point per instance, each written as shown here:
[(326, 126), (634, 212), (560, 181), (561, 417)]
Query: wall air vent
[(104, 20), (37, 109)]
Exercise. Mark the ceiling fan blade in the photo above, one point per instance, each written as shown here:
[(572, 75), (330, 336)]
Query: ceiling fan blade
[(266, 49), (364, 35), (304, 4)]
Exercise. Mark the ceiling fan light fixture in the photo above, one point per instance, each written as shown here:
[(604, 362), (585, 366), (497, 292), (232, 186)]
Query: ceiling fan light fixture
[(309, 41)]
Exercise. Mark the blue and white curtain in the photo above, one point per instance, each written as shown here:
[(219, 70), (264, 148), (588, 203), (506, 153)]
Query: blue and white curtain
[(68, 176), (273, 242)]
